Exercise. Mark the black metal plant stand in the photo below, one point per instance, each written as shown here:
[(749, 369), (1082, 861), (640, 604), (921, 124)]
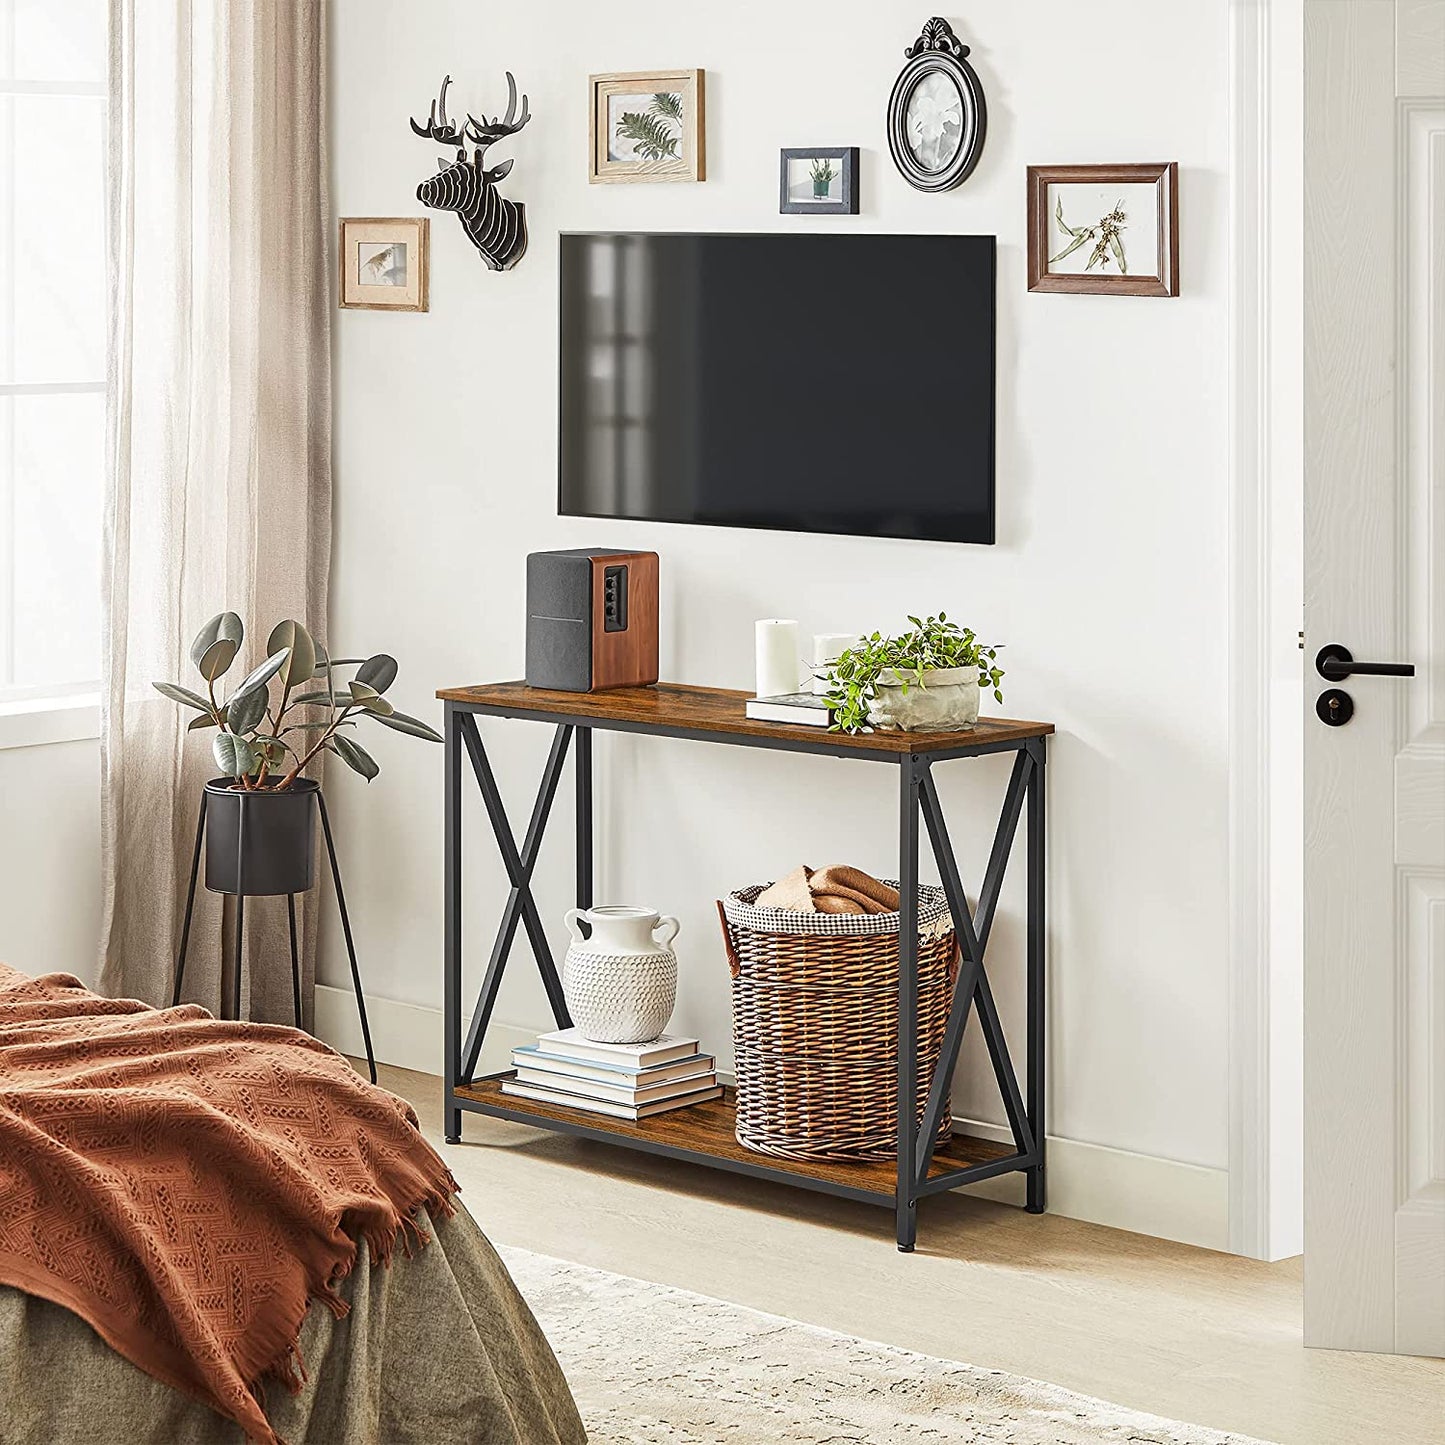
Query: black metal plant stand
[(240, 896), (919, 1173)]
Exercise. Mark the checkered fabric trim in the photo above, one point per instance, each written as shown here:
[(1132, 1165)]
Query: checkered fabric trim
[(932, 907)]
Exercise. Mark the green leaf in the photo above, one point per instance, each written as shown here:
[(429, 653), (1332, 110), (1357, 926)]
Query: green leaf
[(271, 749), (300, 663), (217, 643), (234, 755), (340, 699), (184, 695), (260, 677), (378, 672), (196, 724), (667, 104), (245, 710), (412, 727), (354, 756), (368, 697), (651, 134), (217, 659)]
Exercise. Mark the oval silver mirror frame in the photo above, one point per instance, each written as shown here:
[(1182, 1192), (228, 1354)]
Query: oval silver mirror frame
[(937, 49)]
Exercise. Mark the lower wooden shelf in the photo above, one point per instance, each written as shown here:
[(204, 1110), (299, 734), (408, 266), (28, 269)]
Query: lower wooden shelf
[(704, 1134)]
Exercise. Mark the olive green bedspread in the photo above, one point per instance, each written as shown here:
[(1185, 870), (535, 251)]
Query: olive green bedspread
[(438, 1349)]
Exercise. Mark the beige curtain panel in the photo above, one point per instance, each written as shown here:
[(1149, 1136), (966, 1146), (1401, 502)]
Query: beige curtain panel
[(219, 444)]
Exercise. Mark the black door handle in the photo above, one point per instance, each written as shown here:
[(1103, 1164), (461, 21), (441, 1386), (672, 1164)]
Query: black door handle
[(1336, 663)]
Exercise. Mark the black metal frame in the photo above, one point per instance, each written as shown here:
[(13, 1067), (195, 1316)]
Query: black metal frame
[(918, 797), (240, 897)]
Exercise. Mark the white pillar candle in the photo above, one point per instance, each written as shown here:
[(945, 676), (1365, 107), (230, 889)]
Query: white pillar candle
[(777, 656), (827, 648)]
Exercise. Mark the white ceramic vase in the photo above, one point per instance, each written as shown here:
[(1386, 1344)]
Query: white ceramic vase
[(620, 983), (947, 700)]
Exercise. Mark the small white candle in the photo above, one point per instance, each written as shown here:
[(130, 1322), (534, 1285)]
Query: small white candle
[(827, 648), (776, 640)]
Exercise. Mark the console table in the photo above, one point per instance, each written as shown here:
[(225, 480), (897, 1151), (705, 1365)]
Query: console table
[(703, 1133)]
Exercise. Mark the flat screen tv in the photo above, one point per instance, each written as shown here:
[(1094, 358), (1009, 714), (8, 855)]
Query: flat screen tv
[(810, 383)]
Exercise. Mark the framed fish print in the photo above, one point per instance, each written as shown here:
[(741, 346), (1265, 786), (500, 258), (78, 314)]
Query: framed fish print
[(1107, 230), (647, 125), (383, 263)]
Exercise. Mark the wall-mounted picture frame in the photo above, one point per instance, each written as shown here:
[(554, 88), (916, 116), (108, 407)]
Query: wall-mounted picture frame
[(383, 263), (647, 125), (818, 181), (937, 118), (1104, 230)]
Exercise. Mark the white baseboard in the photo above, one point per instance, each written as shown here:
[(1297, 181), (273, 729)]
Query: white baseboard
[(1138, 1192)]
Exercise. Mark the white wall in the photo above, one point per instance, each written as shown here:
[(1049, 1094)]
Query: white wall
[(50, 858), (1108, 582)]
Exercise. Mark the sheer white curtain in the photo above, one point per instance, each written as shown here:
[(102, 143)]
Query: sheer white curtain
[(219, 441)]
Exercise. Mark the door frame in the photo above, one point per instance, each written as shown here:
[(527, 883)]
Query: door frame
[(1266, 586)]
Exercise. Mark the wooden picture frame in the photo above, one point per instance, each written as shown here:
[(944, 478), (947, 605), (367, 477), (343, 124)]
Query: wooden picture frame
[(809, 203), (1095, 244), (365, 281), (657, 124)]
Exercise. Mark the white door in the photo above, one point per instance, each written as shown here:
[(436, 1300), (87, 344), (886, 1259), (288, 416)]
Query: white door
[(1374, 257)]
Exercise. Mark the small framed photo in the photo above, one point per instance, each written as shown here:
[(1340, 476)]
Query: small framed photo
[(647, 125), (822, 181), (383, 263), (1108, 230)]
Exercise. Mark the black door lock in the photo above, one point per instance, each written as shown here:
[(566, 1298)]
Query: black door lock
[(1335, 707)]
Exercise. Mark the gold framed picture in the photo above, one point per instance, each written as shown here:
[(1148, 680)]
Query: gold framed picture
[(647, 125), (383, 262)]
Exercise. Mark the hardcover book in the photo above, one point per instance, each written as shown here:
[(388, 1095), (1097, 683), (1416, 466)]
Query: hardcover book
[(808, 709)]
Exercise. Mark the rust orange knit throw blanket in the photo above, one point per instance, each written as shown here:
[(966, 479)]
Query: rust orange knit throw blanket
[(187, 1186)]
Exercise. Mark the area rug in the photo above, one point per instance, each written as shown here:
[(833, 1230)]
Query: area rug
[(651, 1365)]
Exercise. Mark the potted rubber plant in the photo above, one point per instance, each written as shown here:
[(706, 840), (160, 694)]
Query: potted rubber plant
[(260, 818), (923, 680)]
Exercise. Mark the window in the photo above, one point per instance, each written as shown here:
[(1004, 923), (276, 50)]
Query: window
[(52, 344)]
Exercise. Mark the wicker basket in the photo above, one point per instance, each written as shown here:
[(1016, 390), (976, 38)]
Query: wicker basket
[(815, 1024)]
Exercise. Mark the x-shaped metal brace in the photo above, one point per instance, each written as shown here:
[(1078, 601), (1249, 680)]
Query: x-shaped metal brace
[(521, 905), (972, 985)]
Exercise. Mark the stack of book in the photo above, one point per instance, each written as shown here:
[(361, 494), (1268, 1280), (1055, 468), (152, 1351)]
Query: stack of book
[(625, 1081)]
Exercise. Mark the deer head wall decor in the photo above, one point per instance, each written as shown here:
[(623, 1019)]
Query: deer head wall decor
[(497, 227)]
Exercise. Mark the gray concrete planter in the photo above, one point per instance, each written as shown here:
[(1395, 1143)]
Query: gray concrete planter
[(947, 701)]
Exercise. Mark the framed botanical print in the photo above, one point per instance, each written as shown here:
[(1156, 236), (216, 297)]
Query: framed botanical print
[(647, 125), (1109, 230), (821, 181), (383, 263)]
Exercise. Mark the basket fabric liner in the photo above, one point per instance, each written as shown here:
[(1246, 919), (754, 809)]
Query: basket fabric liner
[(738, 906)]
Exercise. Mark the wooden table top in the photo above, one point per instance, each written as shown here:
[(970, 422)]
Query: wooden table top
[(672, 706)]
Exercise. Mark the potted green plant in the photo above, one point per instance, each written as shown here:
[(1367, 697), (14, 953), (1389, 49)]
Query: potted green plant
[(823, 174), (924, 680), (260, 818)]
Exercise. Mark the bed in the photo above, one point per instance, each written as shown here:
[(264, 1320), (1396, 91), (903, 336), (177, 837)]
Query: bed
[(164, 1175)]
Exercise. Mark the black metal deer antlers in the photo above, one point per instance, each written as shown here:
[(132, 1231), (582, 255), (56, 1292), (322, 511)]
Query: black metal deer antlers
[(497, 227)]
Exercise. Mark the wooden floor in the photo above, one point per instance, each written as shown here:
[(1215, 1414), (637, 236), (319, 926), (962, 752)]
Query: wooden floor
[(1162, 1327)]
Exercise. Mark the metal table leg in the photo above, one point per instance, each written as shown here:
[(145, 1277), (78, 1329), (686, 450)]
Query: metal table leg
[(1037, 980), (906, 1203), (453, 966)]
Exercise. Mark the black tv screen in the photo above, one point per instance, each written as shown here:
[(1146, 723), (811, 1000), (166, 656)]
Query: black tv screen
[(812, 383)]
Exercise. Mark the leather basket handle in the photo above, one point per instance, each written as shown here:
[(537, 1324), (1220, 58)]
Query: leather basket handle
[(734, 967)]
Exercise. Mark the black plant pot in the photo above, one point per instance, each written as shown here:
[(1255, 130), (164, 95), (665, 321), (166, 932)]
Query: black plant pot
[(260, 843)]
